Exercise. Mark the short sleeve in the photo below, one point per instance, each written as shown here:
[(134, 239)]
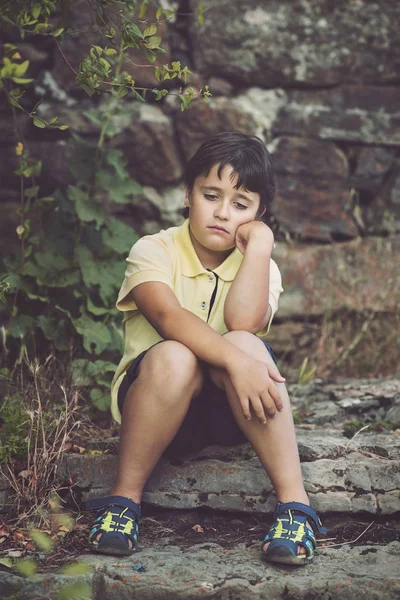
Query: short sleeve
[(275, 290), (148, 260)]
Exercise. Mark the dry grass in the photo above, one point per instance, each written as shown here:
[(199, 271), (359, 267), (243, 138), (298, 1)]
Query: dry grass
[(347, 344), (53, 415)]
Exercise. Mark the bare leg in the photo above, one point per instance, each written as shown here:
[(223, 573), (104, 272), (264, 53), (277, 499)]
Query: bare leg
[(275, 442), (155, 406)]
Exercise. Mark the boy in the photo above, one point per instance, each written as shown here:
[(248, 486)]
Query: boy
[(193, 372)]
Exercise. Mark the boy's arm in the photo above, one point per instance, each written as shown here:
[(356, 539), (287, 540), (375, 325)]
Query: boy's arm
[(246, 305), (251, 380)]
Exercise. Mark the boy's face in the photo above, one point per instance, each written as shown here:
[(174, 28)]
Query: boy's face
[(216, 211)]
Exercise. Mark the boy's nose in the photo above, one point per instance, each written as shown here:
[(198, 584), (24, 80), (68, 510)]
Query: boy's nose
[(222, 211)]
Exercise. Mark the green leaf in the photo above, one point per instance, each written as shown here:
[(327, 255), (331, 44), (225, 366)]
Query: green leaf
[(96, 337), (119, 191), (31, 192), (116, 159), (42, 540), (118, 236), (143, 8), (14, 102), (96, 310), (121, 92), (77, 568), (100, 398), (20, 325), (88, 209), (79, 590), (26, 566), (154, 42), (160, 93), (39, 123), (137, 96), (86, 372), (58, 32), (63, 127), (21, 69), (107, 274), (36, 10), (51, 270), (110, 51), (6, 562), (149, 31), (151, 57), (21, 80)]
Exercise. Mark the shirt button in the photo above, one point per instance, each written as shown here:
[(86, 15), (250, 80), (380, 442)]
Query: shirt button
[(210, 278), (203, 305)]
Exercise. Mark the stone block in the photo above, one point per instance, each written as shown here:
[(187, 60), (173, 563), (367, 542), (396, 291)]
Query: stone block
[(313, 193), (203, 120), (351, 113), (389, 503), (293, 44), (357, 275), (148, 143), (331, 502), (364, 503)]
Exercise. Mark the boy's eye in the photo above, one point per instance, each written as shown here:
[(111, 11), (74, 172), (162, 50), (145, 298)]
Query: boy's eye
[(240, 206), (210, 196)]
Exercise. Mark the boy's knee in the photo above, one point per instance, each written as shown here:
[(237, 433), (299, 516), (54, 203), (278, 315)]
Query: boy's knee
[(243, 339), (171, 359), (248, 342)]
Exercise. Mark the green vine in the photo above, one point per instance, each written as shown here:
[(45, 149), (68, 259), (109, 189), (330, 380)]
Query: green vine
[(61, 284)]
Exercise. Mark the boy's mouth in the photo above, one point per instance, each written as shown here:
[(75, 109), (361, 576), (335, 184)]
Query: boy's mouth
[(218, 229)]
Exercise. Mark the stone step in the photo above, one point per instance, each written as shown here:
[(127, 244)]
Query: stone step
[(361, 475), (210, 571)]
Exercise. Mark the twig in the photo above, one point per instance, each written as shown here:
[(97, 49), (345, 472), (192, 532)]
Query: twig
[(353, 438), (352, 541), (65, 58)]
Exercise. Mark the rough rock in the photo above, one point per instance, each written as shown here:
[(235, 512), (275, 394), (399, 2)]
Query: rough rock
[(351, 113), (373, 164), (340, 476), (311, 43), (358, 275), (206, 119), (382, 214), (209, 571), (149, 146), (312, 190), (360, 474)]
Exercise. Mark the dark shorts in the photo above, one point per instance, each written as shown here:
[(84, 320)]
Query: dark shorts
[(209, 420)]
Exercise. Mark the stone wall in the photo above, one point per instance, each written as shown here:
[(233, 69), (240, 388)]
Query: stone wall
[(318, 81)]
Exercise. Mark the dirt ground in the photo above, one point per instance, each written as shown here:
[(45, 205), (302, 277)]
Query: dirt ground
[(187, 528)]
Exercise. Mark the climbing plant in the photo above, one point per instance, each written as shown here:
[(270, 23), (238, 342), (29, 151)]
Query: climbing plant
[(61, 283)]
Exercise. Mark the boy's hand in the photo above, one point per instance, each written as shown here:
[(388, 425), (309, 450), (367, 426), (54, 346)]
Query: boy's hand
[(254, 385), (254, 232)]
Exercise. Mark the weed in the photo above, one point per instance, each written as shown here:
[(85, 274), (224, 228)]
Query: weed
[(36, 435), (305, 374), (352, 427)]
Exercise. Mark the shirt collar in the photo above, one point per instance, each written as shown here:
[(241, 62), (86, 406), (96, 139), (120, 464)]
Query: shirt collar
[(190, 263)]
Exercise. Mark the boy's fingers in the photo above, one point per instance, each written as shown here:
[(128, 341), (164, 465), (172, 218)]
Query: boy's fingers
[(246, 408), (259, 410), (269, 405), (275, 397), (275, 375)]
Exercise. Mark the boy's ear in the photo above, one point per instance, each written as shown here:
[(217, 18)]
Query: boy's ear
[(260, 215), (187, 197)]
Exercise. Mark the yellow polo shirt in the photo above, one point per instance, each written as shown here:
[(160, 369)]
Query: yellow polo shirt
[(169, 257)]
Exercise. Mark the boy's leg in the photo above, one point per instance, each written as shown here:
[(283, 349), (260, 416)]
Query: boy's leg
[(275, 442), (155, 405)]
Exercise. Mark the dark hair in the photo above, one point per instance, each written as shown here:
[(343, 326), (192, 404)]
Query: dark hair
[(247, 155)]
